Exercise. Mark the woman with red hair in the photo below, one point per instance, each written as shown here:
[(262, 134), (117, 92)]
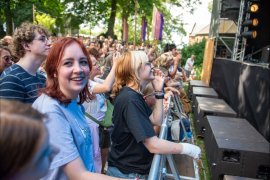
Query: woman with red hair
[(68, 67)]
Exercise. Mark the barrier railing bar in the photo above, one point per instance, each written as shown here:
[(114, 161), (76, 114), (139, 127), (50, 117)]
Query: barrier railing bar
[(158, 164), (172, 166), (155, 167), (171, 176)]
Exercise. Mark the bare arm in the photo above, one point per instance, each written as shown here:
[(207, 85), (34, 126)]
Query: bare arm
[(106, 86), (172, 89), (160, 146), (175, 65), (76, 170), (157, 115)]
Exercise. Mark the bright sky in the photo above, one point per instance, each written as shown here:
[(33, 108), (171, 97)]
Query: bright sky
[(201, 16)]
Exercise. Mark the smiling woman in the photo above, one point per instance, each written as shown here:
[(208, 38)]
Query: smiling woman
[(25, 152), (68, 67)]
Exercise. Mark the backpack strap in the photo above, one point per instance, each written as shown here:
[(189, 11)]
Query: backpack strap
[(92, 118)]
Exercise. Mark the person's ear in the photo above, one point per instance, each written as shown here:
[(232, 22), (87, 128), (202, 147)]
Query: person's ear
[(26, 46)]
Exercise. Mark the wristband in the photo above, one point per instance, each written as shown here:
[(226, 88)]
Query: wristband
[(159, 95)]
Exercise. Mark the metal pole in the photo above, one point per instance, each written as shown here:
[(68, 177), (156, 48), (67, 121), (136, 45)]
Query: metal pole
[(238, 38), (154, 171)]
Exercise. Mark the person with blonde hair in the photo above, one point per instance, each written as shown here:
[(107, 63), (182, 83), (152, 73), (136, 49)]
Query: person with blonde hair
[(133, 138), (25, 152)]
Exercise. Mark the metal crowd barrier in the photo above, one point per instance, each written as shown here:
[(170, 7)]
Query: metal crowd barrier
[(158, 169)]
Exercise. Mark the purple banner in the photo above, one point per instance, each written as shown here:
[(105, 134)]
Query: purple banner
[(143, 31), (157, 24), (157, 28), (161, 26)]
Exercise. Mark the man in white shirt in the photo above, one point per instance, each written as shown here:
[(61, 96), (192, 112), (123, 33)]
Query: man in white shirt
[(189, 65)]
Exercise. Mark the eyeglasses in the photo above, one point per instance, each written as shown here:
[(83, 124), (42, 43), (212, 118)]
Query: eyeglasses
[(44, 39), (152, 67), (7, 59)]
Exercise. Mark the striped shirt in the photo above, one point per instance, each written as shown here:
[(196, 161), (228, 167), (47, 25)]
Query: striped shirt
[(18, 84)]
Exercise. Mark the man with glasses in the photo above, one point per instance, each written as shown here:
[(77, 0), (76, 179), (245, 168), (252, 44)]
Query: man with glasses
[(22, 81)]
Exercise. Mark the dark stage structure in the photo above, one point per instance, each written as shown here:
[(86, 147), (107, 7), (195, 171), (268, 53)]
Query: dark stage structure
[(241, 79), (245, 87)]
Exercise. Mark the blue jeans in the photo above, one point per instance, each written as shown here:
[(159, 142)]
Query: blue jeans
[(115, 172)]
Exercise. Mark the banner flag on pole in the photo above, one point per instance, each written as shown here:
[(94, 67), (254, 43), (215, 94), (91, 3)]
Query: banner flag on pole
[(157, 24), (154, 21), (161, 26), (144, 26)]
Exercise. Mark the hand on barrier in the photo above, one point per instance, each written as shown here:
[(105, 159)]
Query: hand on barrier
[(191, 150)]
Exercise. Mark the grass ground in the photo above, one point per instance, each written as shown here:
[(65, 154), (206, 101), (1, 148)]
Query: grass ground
[(203, 164)]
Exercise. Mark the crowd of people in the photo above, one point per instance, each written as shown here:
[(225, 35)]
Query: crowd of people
[(54, 91)]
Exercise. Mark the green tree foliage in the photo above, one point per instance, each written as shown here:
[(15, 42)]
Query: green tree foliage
[(46, 21), (172, 23), (71, 13), (23, 12), (88, 11), (14, 11), (197, 49)]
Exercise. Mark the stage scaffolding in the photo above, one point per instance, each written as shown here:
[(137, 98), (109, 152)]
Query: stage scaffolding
[(237, 50)]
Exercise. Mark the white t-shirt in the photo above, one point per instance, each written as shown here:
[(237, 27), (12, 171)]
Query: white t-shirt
[(189, 64), (96, 107)]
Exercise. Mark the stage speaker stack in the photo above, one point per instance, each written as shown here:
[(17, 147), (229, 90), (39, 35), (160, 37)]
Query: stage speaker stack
[(195, 83), (234, 147), (202, 92), (209, 106)]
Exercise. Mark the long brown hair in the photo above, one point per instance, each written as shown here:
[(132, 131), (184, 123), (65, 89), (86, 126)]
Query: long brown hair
[(21, 134), (54, 57)]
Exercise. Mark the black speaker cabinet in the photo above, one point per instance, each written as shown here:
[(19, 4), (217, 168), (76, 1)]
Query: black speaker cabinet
[(234, 147), (209, 106), (195, 83), (227, 177), (202, 92)]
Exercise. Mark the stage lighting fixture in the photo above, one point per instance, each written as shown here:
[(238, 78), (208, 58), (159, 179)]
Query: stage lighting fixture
[(250, 34), (254, 7), (251, 22)]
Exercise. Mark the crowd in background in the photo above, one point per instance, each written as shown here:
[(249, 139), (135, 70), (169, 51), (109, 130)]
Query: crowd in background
[(62, 89)]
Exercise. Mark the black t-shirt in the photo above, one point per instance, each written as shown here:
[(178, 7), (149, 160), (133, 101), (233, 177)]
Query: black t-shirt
[(131, 127)]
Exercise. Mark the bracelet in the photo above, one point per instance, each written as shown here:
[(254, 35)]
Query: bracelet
[(159, 95)]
